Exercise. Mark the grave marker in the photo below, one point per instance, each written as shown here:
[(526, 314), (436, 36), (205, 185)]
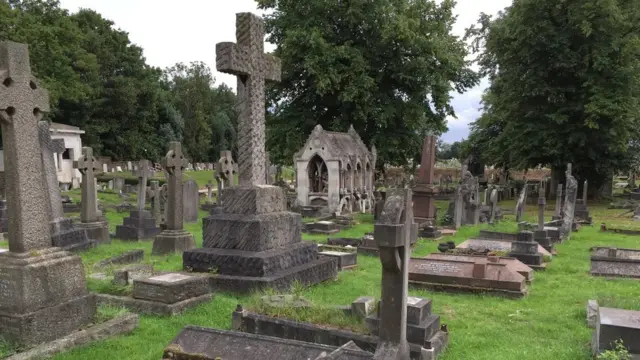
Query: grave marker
[(173, 238), (30, 313), (425, 190), (96, 229), (190, 198)]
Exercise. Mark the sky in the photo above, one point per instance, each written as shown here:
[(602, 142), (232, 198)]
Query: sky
[(188, 30)]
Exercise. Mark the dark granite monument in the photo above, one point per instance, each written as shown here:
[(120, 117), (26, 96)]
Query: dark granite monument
[(174, 238), (140, 224), (97, 229), (254, 243), (43, 291), (525, 249)]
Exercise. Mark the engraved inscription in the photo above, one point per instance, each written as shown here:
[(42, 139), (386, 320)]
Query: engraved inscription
[(170, 277), (438, 267)]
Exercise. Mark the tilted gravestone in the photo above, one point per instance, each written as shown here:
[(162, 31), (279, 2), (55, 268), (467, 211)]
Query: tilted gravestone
[(571, 193), (44, 292), (191, 200), (63, 233), (97, 229), (173, 237), (254, 242), (140, 224)]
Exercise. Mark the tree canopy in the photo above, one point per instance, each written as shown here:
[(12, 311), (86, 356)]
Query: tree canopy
[(100, 81), (385, 66), (564, 85)]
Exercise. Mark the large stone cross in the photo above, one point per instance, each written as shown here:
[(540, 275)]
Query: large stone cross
[(174, 164), (88, 165), (143, 173), (22, 105), (247, 61)]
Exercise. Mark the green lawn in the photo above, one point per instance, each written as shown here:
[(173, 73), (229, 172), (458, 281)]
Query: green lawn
[(548, 324)]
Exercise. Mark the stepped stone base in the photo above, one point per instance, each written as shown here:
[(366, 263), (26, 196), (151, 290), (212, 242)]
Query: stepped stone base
[(97, 231), (68, 237), (314, 272), (139, 225), (173, 241), (248, 263)]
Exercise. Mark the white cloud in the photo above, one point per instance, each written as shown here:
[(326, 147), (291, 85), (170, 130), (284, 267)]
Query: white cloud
[(187, 31)]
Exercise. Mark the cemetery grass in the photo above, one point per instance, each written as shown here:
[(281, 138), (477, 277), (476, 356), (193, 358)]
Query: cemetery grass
[(548, 324)]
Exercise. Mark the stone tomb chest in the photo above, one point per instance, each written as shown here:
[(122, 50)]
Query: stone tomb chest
[(481, 274), (494, 245), (613, 262)]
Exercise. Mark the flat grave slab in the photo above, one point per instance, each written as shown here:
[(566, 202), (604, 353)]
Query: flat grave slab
[(494, 245), (614, 262), (346, 259), (478, 275), (511, 263), (198, 343), (616, 324), (321, 227)]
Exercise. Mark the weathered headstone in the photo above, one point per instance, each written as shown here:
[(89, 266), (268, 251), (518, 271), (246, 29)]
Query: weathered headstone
[(522, 203), (156, 190), (613, 325), (540, 235), (493, 206), (96, 228), (173, 237), (558, 212), (44, 291), (425, 190), (571, 193), (140, 224), (254, 242), (191, 200), (63, 233), (581, 212), (118, 183)]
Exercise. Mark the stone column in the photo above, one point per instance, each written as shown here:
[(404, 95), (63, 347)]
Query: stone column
[(96, 229), (584, 193), (394, 241), (173, 238), (558, 212), (44, 291)]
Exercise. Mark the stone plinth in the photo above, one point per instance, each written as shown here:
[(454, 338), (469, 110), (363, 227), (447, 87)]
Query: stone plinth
[(346, 259), (69, 237), (97, 231), (173, 241), (525, 249), (422, 325), (616, 324), (322, 227), (542, 238), (467, 275), (254, 243), (38, 313), (139, 225), (165, 294)]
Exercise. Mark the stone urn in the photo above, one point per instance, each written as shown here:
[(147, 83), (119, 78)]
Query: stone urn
[(451, 244), (443, 247)]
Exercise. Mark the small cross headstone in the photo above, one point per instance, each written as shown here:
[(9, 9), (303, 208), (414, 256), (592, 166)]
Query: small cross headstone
[(22, 104), (247, 61), (87, 165), (174, 164), (143, 173)]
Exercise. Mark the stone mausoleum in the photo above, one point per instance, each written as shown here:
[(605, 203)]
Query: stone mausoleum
[(332, 165)]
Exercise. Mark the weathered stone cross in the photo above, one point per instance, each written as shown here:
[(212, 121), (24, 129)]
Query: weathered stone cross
[(22, 104), (174, 163), (143, 173), (52, 190), (247, 61), (88, 165)]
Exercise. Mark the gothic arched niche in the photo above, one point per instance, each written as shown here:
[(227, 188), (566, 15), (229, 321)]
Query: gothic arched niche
[(318, 174), (358, 177)]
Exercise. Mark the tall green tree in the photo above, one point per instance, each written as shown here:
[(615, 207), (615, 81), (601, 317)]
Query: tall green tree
[(564, 85), (386, 66)]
